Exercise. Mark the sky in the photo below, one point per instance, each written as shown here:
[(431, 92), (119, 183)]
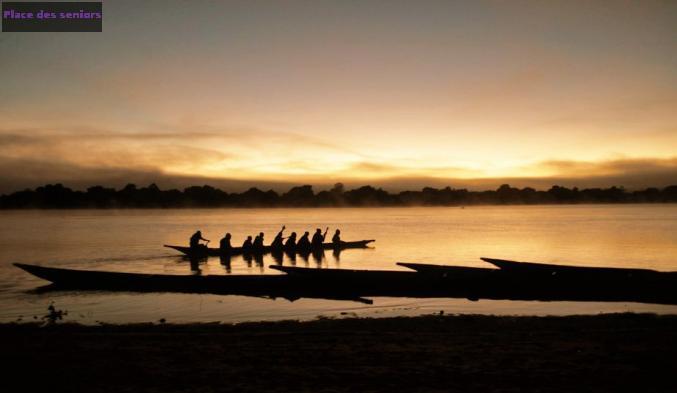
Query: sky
[(399, 94)]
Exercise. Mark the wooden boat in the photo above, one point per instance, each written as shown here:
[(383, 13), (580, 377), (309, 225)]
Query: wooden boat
[(531, 268), (580, 271), (234, 251), (341, 284), (560, 282), (270, 286), (457, 273), (447, 270), (457, 282)]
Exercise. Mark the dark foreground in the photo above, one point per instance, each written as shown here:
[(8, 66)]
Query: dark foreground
[(622, 352)]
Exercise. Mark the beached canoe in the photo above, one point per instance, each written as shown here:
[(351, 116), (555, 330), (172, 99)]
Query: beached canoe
[(541, 269), (448, 270), (204, 251), (491, 283), (257, 285), (459, 273), (589, 271), (560, 282)]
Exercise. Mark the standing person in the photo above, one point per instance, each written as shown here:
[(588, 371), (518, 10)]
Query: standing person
[(195, 240), (224, 245), (290, 245), (277, 242), (303, 243), (258, 242), (318, 238), (247, 245), (336, 239)]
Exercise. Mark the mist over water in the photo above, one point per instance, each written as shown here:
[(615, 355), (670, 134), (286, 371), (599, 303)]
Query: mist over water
[(643, 236)]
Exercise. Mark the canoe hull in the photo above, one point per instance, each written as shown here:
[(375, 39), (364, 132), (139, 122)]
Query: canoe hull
[(575, 271), (235, 251)]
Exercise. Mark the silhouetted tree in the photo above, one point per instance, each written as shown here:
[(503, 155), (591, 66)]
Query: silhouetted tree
[(299, 196), (57, 196)]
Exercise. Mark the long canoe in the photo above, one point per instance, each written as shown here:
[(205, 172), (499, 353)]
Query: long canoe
[(259, 285), (447, 270), (561, 282), (204, 251), (581, 271), (347, 284), (541, 269), (454, 272)]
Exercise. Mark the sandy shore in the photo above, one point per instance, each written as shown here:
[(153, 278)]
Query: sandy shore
[(621, 352)]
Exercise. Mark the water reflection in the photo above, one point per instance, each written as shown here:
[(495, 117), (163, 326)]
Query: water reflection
[(278, 257), (249, 260), (225, 262), (195, 265), (291, 256), (304, 256), (258, 259), (318, 256)]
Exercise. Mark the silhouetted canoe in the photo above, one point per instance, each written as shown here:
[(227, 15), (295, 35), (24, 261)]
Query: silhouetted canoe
[(590, 271), (91, 279), (491, 283), (455, 272), (260, 285), (447, 269), (530, 268), (266, 249), (300, 282)]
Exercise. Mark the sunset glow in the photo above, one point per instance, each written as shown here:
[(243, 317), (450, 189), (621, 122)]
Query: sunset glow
[(467, 94)]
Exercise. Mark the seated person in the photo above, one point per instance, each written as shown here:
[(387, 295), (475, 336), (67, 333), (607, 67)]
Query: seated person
[(318, 238), (195, 240), (304, 243), (258, 242), (277, 242), (336, 239), (247, 245), (224, 245), (291, 242)]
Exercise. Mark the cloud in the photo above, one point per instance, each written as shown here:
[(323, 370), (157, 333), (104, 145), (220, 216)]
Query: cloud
[(381, 169), (110, 150), (238, 158), (19, 174), (617, 167), (102, 156)]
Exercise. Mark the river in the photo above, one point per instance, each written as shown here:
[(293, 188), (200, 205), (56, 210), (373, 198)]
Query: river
[(643, 236)]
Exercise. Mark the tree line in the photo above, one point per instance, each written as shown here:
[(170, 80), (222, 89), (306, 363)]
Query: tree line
[(57, 196)]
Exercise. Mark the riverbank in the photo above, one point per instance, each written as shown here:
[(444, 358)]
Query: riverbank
[(614, 352)]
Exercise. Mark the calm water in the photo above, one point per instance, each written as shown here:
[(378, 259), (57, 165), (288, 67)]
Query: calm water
[(131, 240)]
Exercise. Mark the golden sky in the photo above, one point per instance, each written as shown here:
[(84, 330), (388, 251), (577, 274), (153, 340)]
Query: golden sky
[(395, 93)]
